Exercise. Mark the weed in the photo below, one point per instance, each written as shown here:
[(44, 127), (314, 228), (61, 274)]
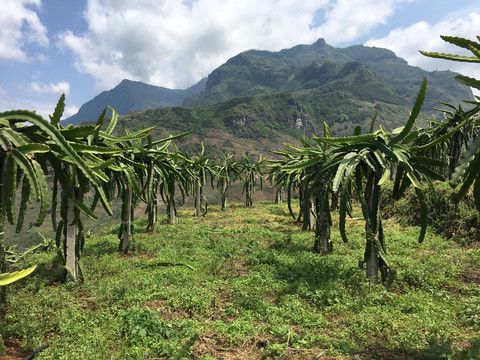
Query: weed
[(143, 328)]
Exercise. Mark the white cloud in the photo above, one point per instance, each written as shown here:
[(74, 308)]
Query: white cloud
[(62, 87), (44, 108), (69, 111), (347, 20), (20, 26), (174, 44), (406, 43)]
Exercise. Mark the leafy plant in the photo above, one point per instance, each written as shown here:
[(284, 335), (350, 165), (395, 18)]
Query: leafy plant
[(201, 171), (144, 328), (467, 170), (9, 278), (250, 174), (228, 171), (363, 162)]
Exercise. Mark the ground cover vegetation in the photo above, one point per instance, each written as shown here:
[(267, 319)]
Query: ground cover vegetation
[(231, 279), (247, 282)]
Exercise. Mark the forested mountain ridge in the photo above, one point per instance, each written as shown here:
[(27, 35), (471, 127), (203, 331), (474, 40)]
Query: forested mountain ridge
[(258, 72), (258, 100)]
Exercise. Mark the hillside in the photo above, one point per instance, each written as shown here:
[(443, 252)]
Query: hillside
[(258, 124), (258, 100)]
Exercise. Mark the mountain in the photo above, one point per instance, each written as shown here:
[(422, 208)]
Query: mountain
[(129, 96), (257, 72), (259, 100)]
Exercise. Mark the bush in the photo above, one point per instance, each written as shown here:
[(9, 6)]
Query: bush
[(458, 221), (144, 328)]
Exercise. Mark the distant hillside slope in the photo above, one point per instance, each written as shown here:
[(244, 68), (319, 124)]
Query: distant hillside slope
[(129, 96), (257, 72), (259, 124)]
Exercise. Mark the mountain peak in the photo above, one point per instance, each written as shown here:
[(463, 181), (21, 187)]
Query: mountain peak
[(320, 43)]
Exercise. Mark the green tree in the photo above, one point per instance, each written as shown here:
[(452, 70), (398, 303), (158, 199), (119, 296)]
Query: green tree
[(202, 171), (82, 170), (300, 166), (251, 173), (22, 171), (228, 171), (161, 175), (467, 170), (28, 151), (362, 163)]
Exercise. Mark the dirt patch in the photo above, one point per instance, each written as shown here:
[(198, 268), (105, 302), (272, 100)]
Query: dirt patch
[(219, 348), (252, 350), (220, 305), (14, 350), (165, 312), (470, 277), (140, 255), (86, 301), (234, 267)]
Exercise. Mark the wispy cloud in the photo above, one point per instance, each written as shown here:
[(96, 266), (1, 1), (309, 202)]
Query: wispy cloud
[(43, 108), (62, 87)]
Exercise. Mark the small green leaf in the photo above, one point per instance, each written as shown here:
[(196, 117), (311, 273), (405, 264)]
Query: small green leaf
[(29, 172), (445, 56), (9, 190), (82, 148), (464, 163), (348, 139), (113, 121), (44, 194), (372, 124), (77, 132), (468, 80), (461, 42), (414, 180)]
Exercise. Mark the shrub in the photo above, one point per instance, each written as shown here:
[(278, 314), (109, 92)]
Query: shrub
[(458, 221)]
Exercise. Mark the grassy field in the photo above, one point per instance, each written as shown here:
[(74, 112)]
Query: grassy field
[(247, 282)]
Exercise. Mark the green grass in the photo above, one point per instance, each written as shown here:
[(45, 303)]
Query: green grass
[(247, 282)]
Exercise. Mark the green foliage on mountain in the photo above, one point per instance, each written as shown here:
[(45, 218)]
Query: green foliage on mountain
[(266, 122), (373, 73)]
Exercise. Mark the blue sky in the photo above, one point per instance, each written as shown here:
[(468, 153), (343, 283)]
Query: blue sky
[(80, 48)]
